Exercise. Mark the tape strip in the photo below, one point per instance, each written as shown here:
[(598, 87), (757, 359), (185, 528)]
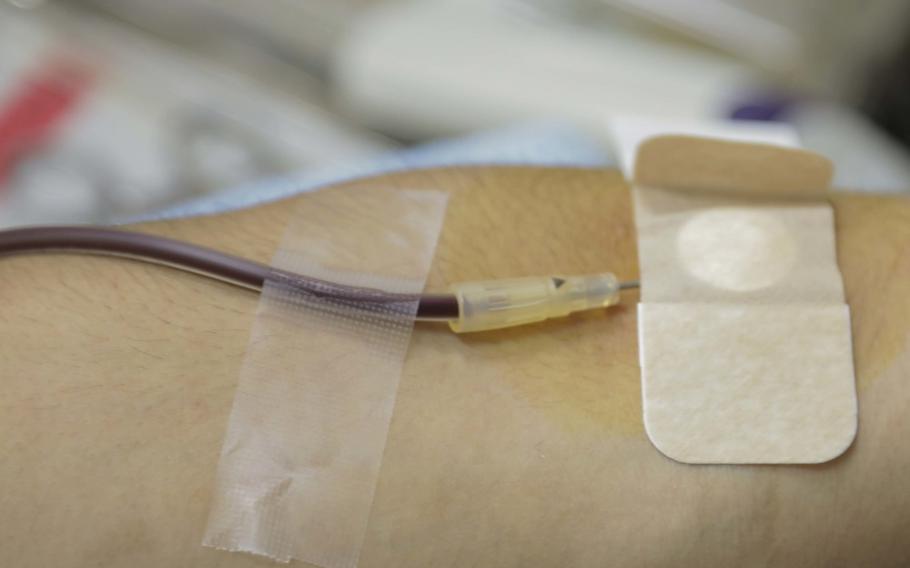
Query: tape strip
[(744, 337), (305, 439)]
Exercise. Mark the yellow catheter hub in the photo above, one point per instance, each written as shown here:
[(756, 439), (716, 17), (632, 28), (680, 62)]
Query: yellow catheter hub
[(496, 304)]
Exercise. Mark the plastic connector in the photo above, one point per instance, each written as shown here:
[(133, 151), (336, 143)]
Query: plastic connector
[(496, 304)]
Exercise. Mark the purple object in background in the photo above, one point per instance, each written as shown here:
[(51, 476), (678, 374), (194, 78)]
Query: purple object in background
[(765, 107)]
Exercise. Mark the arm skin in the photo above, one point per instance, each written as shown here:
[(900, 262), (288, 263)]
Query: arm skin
[(520, 447)]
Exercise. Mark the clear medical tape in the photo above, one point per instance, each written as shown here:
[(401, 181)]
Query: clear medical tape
[(305, 439)]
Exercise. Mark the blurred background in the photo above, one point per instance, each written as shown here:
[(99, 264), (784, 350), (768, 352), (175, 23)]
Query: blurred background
[(120, 109)]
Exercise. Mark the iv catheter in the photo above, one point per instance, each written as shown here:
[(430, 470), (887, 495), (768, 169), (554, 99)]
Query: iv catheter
[(470, 306)]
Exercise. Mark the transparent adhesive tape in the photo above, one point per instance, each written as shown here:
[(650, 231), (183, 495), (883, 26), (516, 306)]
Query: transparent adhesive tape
[(313, 405)]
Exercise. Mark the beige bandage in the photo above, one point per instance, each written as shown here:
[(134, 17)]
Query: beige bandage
[(744, 335)]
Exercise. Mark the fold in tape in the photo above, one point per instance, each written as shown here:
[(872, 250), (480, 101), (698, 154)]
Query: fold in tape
[(744, 336), (305, 439)]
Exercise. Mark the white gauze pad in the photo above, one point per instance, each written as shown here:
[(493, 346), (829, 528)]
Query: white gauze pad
[(744, 335)]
